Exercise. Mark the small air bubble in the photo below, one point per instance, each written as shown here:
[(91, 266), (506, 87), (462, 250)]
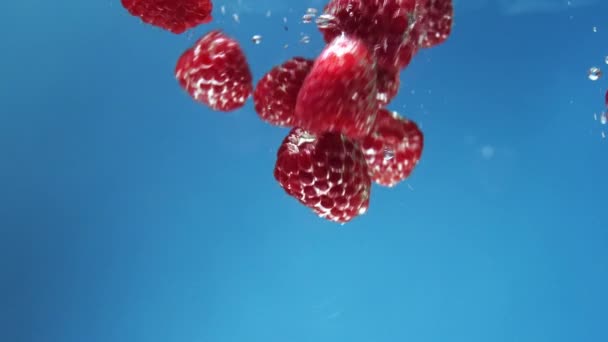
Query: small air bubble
[(594, 73), (268, 14), (388, 154), (306, 138), (606, 59), (311, 10), (325, 21), (594, 29), (307, 18), (305, 40), (257, 39), (604, 118), (382, 97), (235, 16), (223, 10)]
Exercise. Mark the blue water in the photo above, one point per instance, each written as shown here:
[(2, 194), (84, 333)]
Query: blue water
[(128, 212)]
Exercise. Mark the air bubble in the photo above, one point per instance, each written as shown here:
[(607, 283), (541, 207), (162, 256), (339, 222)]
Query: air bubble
[(311, 13), (307, 18), (305, 40), (325, 21), (256, 39), (382, 97), (594, 73), (604, 118), (388, 154), (306, 138)]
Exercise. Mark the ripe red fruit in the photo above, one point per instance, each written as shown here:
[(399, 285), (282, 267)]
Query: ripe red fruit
[(326, 173), (434, 20), (276, 93), (393, 149), (215, 72), (388, 86), (383, 25), (339, 93), (175, 16)]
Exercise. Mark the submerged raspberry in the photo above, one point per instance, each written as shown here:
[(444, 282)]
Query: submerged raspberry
[(326, 173), (393, 149), (276, 93), (339, 94), (384, 25), (215, 72), (175, 16)]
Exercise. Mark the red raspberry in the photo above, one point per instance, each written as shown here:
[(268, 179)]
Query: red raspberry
[(339, 93), (176, 16), (434, 20), (215, 72), (326, 173), (388, 86), (276, 93), (384, 25), (393, 149)]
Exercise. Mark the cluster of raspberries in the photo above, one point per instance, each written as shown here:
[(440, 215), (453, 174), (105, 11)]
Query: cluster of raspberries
[(342, 136)]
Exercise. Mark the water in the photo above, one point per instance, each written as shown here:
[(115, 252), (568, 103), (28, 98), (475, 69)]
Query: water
[(130, 212)]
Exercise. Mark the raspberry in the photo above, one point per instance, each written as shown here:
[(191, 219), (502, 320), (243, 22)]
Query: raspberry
[(339, 93), (327, 173), (276, 93), (393, 149), (175, 16), (434, 20), (383, 25), (215, 72)]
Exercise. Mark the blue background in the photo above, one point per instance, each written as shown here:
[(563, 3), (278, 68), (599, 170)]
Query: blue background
[(128, 212)]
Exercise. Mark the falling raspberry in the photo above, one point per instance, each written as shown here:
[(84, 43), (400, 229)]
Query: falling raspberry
[(175, 16), (393, 149), (384, 25), (339, 94), (326, 173), (434, 21), (276, 93), (215, 72)]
